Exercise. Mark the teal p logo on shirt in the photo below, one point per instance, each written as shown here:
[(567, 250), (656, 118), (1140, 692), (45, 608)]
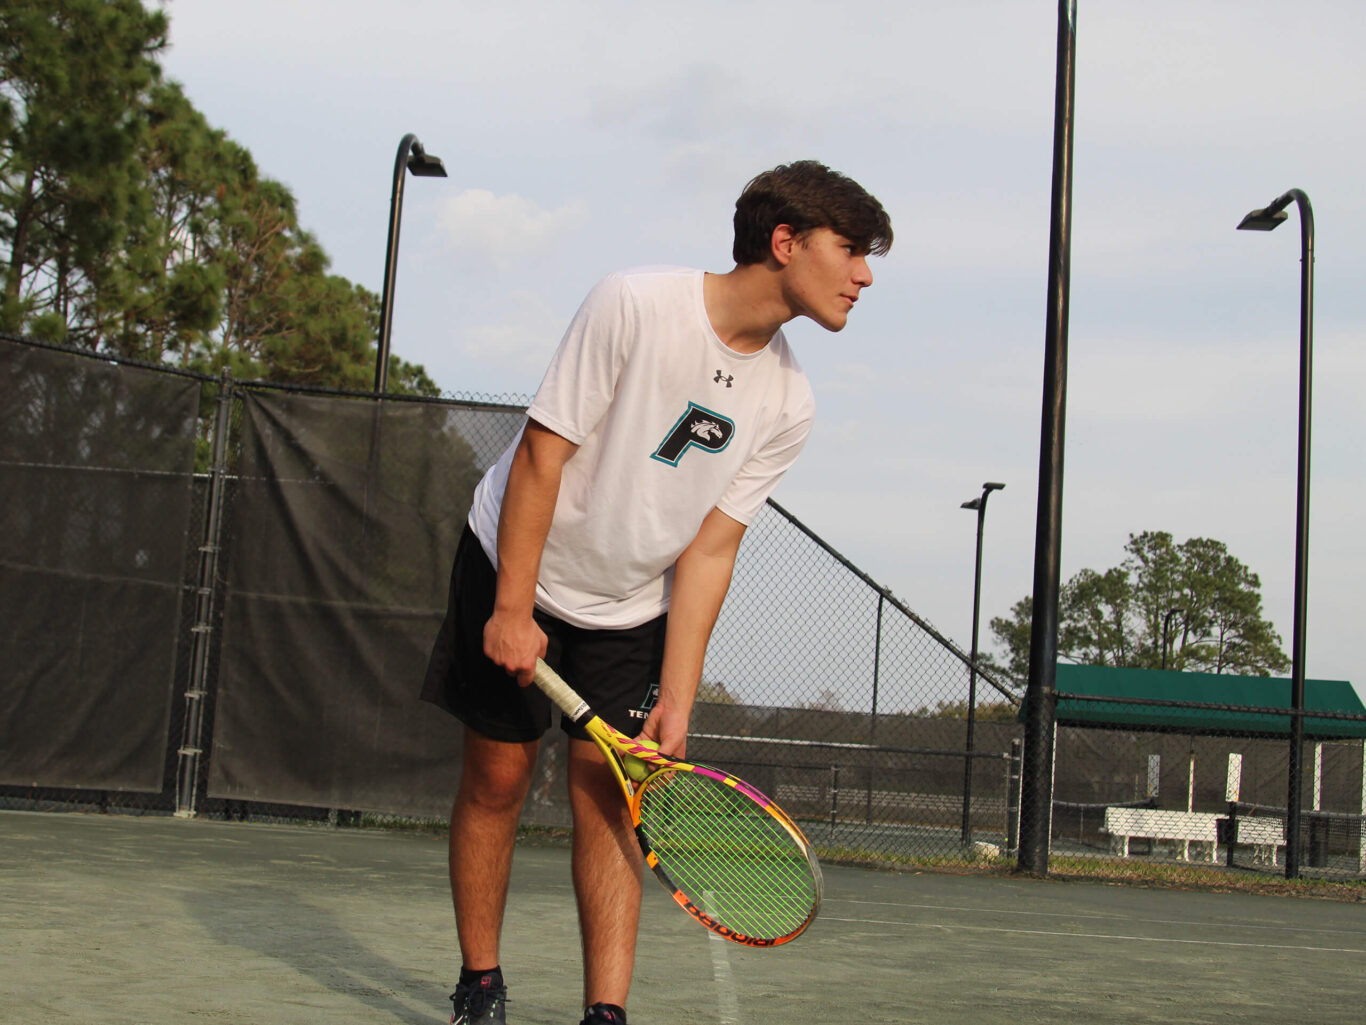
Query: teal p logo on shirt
[(697, 427)]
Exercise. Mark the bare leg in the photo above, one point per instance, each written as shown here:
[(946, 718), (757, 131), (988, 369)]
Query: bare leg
[(493, 785), (607, 865)]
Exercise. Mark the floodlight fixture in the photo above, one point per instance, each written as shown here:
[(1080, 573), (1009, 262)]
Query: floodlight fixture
[(423, 164), (1268, 218)]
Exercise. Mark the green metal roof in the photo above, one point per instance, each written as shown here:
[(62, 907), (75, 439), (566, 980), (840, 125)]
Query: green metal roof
[(1252, 694)]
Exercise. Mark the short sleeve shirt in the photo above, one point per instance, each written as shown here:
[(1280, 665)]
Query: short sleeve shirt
[(670, 423)]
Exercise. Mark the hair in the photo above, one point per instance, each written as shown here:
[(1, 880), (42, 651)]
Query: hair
[(807, 195)]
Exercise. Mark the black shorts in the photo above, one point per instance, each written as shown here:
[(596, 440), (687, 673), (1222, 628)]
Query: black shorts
[(615, 671)]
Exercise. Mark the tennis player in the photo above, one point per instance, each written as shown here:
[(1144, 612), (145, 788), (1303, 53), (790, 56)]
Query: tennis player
[(604, 538)]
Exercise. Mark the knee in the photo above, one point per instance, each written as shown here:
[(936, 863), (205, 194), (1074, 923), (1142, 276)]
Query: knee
[(496, 779), (593, 789)]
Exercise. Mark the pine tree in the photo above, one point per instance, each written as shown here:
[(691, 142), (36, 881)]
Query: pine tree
[(1191, 606), (129, 224)]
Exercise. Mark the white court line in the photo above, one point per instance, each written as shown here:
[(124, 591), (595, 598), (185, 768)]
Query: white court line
[(957, 907), (1117, 917), (727, 1001), (1100, 936)]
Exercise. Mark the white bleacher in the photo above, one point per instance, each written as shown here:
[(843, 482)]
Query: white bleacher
[(1183, 827)]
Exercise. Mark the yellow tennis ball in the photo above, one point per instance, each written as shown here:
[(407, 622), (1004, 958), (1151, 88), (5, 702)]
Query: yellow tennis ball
[(636, 768)]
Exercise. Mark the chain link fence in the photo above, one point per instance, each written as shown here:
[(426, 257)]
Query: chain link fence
[(221, 595)]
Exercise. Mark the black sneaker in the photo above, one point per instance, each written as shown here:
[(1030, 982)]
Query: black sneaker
[(479, 1004), (604, 1014)]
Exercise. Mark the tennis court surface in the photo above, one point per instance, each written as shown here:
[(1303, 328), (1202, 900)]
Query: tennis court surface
[(121, 920)]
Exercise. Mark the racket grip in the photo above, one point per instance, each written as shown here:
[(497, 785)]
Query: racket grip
[(560, 692)]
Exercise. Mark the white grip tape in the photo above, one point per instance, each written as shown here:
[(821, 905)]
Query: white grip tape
[(560, 692)]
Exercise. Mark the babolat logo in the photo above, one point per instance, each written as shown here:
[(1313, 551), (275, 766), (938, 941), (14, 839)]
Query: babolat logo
[(723, 930), (698, 427)]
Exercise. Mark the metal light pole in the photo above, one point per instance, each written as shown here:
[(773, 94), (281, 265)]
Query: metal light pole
[(1267, 219), (412, 157), (980, 505), (1166, 625), (1041, 693)]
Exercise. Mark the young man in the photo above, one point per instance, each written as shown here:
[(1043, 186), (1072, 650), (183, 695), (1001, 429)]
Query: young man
[(604, 538)]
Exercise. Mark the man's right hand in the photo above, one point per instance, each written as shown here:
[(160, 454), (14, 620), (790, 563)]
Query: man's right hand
[(511, 637), (514, 643)]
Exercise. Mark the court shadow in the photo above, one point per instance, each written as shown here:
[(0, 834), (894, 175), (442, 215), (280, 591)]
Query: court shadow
[(314, 941)]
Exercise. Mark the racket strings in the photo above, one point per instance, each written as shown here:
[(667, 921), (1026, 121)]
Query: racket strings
[(728, 854), (737, 862)]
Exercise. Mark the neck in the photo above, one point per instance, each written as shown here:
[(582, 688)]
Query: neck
[(745, 306)]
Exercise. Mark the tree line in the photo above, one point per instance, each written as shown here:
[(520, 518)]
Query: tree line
[(131, 225), (1190, 607)]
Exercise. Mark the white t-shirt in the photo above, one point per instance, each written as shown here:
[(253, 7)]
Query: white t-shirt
[(670, 424)]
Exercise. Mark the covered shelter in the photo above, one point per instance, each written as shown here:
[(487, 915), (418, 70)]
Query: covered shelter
[(1242, 706), (1216, 705)]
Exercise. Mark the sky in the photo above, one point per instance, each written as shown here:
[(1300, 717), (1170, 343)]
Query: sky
[(586, 136)]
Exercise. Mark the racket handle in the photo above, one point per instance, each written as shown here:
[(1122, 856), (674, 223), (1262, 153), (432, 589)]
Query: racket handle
[(560, 692)]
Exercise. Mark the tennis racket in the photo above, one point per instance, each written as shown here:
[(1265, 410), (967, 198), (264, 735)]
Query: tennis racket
[(729, 856)]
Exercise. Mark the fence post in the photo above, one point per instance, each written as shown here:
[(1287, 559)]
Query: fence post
[(1361, 822), (834, 798), (188, 756), (1230, 852), (877, 668), (872, 720)]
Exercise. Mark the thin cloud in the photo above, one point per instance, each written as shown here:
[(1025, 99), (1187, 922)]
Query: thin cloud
[(520, 343), (483, 225)]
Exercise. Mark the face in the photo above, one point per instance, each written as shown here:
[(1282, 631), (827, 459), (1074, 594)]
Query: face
[(824, 276)]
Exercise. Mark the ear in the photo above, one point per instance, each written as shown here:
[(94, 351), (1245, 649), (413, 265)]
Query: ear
[(781, 244)]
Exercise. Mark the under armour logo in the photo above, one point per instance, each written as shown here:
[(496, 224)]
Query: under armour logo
[(726, 378)]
